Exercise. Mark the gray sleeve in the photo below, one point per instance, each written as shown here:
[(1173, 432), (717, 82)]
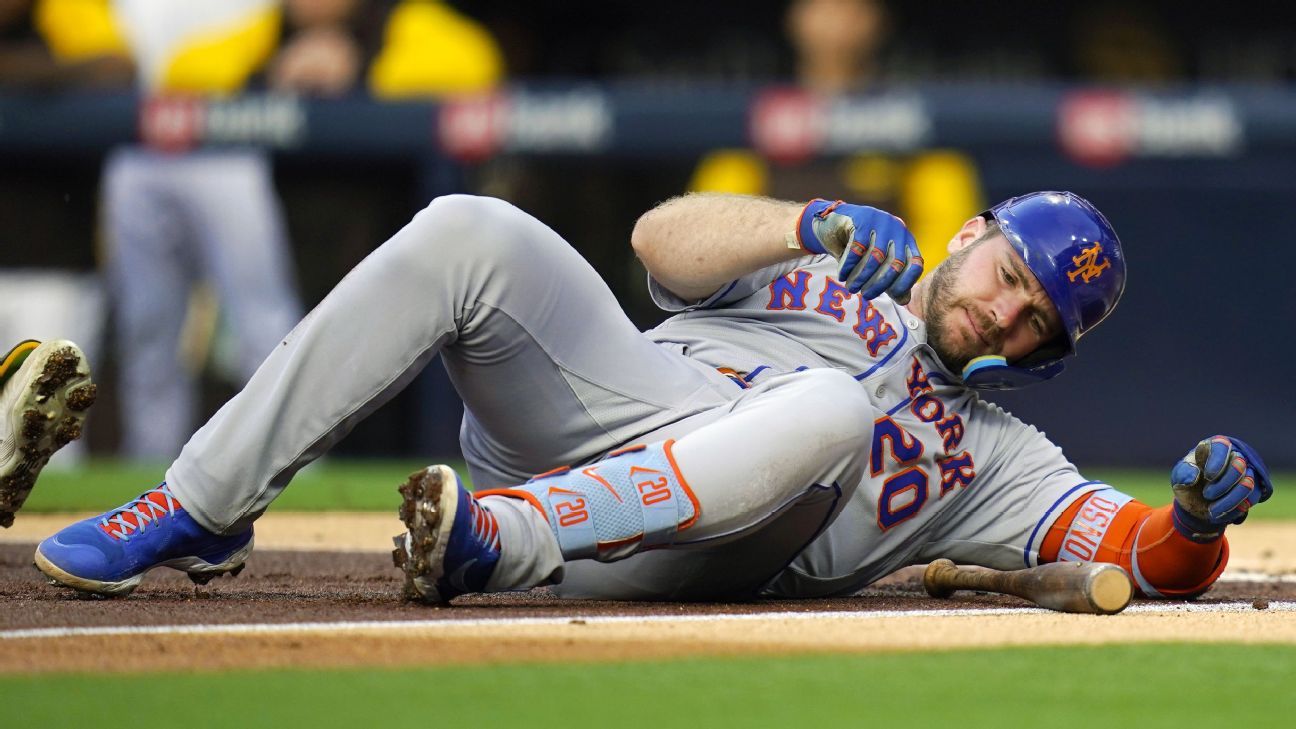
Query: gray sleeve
[(736, 290), (1021, 489)]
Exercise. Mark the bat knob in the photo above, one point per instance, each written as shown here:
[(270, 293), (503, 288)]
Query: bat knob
[(934, 579), (1109, 589)]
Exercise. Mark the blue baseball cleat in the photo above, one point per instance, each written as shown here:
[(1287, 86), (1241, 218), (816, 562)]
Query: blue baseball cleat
[(452, 544), (109, 554)]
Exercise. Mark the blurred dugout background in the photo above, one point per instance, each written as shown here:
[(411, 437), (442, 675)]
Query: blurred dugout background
[(1178, 121)]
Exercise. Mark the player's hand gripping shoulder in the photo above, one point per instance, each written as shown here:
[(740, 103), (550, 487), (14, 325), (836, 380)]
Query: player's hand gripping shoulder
[(876, 251), (1215, 485)]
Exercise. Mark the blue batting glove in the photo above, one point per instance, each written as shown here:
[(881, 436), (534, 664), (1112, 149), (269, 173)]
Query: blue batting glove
[(876, 252), (1216, 484)]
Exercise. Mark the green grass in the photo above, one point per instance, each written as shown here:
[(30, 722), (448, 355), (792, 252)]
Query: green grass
[(360, 485), (331, 485), (1144, 686)]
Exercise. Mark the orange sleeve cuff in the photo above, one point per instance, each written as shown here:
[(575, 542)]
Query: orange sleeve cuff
[(1144, 542)]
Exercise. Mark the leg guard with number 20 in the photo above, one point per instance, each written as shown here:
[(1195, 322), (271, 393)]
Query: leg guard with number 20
[(634, 499)]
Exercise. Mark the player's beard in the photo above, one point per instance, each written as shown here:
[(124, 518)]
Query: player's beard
[(942, 299)]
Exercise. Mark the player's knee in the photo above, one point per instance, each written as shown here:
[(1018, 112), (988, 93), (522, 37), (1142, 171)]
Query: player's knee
[(464, 209), (483, 227)]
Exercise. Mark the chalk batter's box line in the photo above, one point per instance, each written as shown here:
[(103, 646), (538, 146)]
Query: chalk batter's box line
[(392, 626)]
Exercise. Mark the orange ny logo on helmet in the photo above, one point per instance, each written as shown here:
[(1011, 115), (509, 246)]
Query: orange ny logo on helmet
[(1088, 264)]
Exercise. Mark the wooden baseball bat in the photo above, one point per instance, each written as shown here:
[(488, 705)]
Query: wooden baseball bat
[(1094, 588)]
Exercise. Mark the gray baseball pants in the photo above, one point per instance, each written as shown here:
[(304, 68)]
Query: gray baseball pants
[(552, 373)]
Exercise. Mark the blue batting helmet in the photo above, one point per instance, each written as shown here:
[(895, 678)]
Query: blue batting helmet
[(1075, 254)]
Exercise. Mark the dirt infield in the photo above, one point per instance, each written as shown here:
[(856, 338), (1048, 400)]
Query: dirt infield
[(349, 601)]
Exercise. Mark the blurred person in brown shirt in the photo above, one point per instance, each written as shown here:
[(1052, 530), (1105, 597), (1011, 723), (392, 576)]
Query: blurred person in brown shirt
[(403, 49), (59, 44)]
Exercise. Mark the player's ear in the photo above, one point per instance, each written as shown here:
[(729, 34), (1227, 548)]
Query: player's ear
[(971, 230)]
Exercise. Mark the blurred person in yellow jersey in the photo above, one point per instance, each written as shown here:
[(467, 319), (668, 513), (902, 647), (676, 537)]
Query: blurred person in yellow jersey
[(202, 225), (36, 55), (838, 47), (429, 49), (209, 221)]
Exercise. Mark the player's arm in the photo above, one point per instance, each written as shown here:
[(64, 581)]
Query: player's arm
[(1177, 550), (695, 244)]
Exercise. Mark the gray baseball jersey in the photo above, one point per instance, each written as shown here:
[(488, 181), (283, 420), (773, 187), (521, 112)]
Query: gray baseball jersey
[(949, 474)]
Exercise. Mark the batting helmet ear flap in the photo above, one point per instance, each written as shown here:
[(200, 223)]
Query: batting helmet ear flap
[(993, 372), (1048, 352)]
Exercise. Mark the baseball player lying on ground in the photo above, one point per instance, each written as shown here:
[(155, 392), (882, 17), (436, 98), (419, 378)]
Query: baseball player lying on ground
[(795, 430)]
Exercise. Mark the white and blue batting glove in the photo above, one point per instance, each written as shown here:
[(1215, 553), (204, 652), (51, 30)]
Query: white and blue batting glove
[(876, 251), (1215, 485)]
